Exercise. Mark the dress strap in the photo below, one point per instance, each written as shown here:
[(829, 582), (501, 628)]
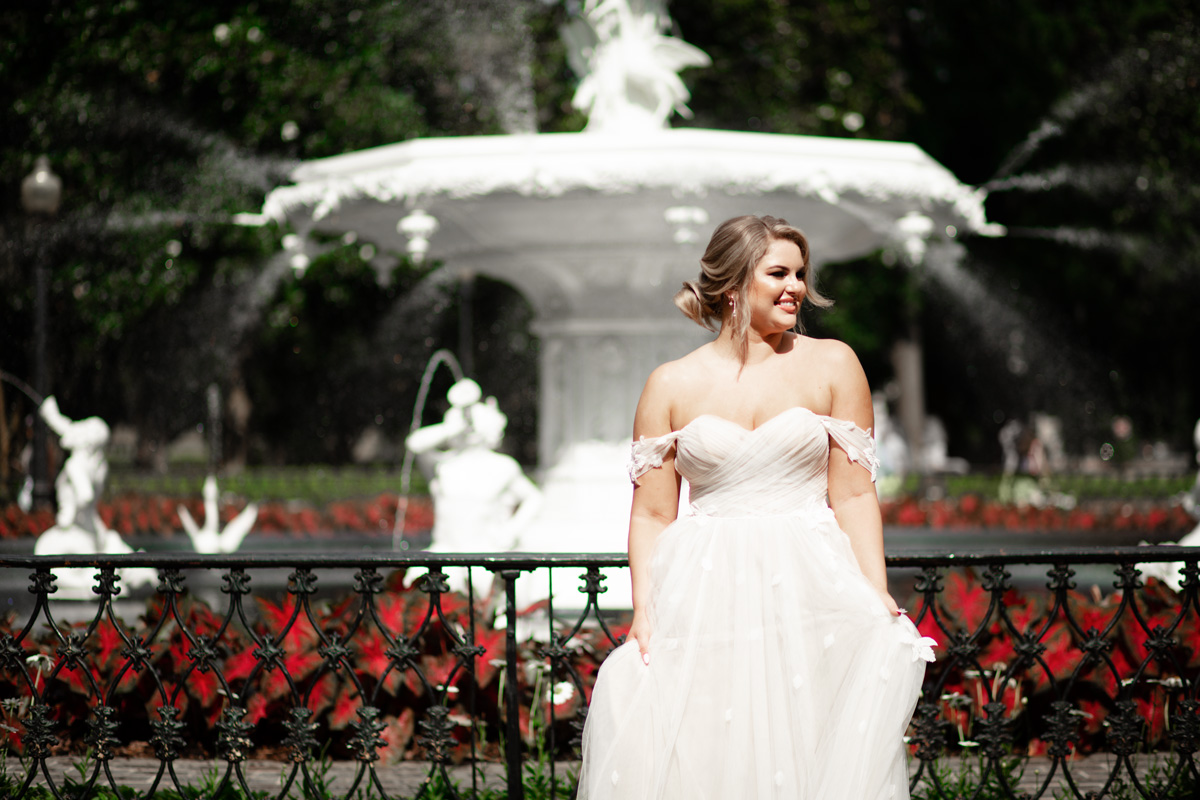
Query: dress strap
[(858, 444), (648, 454)]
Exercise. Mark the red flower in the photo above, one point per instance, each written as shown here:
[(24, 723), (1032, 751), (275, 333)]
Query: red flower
[(964, 595)]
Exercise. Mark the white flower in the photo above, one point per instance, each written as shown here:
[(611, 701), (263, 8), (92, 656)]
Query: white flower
[(923, 648), (563, 692)]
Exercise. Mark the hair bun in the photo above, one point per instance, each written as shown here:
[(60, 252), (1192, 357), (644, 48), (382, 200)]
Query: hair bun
[(690, 301)]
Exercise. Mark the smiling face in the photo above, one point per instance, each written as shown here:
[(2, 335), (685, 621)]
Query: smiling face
[(777, 288)]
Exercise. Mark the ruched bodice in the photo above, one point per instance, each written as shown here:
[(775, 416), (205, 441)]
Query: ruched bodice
[(775, 469)]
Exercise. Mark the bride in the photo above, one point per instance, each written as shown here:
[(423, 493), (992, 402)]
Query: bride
[(766, 658)]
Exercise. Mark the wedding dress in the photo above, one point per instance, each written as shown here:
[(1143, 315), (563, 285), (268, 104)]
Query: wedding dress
[(775, 669)]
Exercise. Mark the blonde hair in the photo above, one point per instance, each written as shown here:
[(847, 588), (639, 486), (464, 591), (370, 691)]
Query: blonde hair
[(736, 247)]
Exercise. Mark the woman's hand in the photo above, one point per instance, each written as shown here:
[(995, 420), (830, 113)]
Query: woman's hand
[(890, 603), (640, 631)]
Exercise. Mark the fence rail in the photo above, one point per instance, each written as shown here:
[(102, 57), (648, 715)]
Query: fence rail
[(302, 658)]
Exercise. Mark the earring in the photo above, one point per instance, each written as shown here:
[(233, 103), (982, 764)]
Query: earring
[(732, 307)]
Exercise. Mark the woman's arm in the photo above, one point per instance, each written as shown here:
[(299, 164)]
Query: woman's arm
[(851, 491), (655, 503)]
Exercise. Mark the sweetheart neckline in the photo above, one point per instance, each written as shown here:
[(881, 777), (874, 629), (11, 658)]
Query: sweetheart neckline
[(756, 428)]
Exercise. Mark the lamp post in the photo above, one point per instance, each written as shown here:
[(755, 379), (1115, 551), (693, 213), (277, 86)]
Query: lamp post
[(41, 193)]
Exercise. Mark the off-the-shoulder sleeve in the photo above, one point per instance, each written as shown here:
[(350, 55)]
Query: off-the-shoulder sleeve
[(648, 454), (858, 444)]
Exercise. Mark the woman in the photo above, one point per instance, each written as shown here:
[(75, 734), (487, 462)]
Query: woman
[(766, 658)]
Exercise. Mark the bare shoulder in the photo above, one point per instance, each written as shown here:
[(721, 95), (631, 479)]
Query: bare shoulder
[(831, 354), (667, 384), (849, 392)]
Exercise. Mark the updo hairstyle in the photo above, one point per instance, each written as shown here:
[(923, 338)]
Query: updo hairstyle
[(736, 247)]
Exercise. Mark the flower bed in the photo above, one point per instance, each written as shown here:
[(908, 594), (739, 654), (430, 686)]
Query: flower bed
[(970, 511), (142, 515)]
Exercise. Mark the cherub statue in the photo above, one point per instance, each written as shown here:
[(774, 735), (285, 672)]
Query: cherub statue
[(628, 67), (482, 500), (78, 529), (209, 537)]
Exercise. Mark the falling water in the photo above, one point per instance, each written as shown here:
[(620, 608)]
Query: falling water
[(440, 357), (1036, 358)]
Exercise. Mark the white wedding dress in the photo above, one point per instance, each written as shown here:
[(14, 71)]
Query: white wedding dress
[(775, 669)]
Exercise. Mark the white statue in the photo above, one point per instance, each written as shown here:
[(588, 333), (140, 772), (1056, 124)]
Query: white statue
[(629, 69), (1169, 571), (78, 529), (482, 500), (209, 538)]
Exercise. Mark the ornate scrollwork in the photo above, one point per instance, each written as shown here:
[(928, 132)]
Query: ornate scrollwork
[(41, 582), (1060, 576), (929, 581), (434, 582), (1062, 724), (170, 581), (303, 581), (300, 741), (435, 734), (72, 649), (962, 645), (138, 654), (203, 653), (236, 581), (993, 730), (1128, 578), (270, 654), (1094, 645), (11, 652), (106, 582), (402, 653), (233, 738), (929, 731), (1185, 726), (593, 582), (168, 733), (102, 732), (368, 581), (997, 578), (1125, 729), (334, 652), (39, 731), (366, 740), (1027, 648)]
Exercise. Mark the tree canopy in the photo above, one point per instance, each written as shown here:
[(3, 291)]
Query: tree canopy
[(166, 120)]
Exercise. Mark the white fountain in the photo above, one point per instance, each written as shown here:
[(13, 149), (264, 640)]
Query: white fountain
[(598, 229)]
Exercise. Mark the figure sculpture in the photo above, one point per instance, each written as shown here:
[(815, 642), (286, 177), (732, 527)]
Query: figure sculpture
[(629, 69), (78, 528), (1170, 572), (482, 500), (210, 537)]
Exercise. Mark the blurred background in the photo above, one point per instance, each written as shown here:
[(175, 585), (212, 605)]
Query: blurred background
[(200, 343)]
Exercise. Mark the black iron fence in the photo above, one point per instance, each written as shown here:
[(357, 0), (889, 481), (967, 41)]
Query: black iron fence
[(1059, 674)]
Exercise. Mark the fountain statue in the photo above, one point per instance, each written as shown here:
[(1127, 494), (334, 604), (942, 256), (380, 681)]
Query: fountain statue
[(210, 537), (1170, 572), (482, 500), (78, 528), (631, 81), (598, 229)]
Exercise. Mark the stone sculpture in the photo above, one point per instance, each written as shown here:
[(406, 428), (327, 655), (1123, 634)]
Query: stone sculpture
[(629, 69), (210, 537), (78, 528), (1169, 572), (482, 500)]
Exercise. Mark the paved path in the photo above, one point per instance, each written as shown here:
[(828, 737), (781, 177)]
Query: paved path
[(406, 779)]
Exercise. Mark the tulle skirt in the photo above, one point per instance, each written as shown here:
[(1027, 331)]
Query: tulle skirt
[(775, 672)]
